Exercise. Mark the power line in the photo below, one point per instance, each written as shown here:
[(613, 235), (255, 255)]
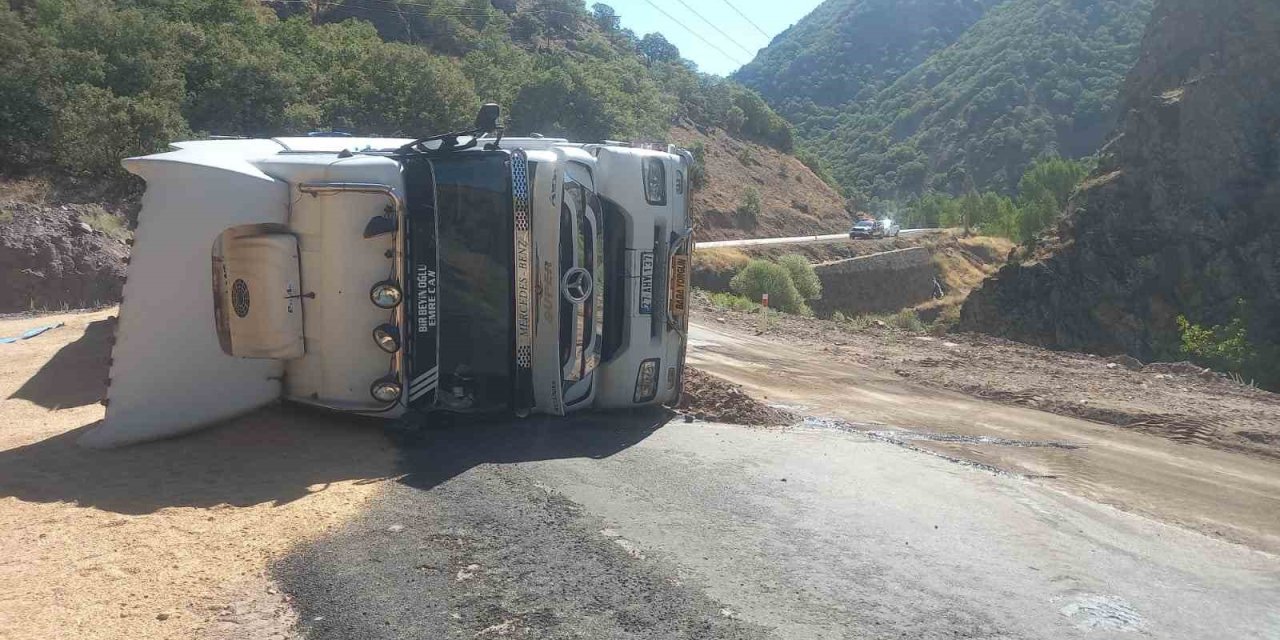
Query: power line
[(693, 33), (744, 17), (713, 26)]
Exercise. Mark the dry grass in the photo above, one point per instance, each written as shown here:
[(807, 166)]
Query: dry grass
[(962, 266), (111, 225), (719, 260), (25, 190), (990, 248), (965, 264)]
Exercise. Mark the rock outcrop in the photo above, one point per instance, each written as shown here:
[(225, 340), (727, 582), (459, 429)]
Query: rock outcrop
[(1183, 217), (52, 258)]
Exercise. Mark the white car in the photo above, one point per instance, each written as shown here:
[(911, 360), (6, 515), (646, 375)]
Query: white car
[(874, 229), (462, 273)]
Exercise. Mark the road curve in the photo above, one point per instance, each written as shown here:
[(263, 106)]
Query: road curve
[(630, 526)]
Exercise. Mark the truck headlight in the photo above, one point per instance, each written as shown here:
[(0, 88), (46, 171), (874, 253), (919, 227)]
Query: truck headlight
[(386, 295), (388, 337), (386, 390), (654, 173), (647, 381)]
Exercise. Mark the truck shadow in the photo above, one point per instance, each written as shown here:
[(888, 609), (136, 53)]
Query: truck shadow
[(76, 375), (285, 453), (438, 453)]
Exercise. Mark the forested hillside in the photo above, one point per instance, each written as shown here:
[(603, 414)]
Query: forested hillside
[(84, 83), (1026, 79), (846, 49)]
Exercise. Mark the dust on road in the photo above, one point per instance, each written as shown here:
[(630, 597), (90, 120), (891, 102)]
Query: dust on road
[(1220, 491), (164, 540)]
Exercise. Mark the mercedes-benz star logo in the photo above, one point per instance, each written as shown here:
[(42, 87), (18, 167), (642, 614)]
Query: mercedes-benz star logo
[(576, 285)]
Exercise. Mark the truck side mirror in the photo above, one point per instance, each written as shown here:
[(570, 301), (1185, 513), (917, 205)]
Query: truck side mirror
[(487, 118)]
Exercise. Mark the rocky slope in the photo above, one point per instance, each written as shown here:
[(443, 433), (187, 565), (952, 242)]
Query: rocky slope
[(59, 256), (792, 200), (1183, 217)]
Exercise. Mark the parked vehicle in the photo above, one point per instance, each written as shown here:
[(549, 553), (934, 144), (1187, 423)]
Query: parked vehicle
[(868, 228), (463, 272)]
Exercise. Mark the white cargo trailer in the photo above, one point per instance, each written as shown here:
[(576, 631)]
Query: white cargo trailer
[(460, 273)]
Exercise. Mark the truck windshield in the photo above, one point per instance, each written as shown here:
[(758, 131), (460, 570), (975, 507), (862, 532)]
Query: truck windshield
[(581, 247), (474, 206)]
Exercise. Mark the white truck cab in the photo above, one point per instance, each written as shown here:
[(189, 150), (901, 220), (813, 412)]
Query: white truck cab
[(463, 273)]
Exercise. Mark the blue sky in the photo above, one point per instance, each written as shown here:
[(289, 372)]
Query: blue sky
[(772, 16)]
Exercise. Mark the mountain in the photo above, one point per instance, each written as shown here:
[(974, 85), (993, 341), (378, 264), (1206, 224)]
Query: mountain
[(849, 48), (950, 96), (1172, 248)]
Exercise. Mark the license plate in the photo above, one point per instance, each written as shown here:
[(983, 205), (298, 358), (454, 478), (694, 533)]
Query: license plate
[(646, 282), (679, 305)]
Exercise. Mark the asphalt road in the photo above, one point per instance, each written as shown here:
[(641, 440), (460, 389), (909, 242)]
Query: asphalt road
[(634, 527), (825, 239)]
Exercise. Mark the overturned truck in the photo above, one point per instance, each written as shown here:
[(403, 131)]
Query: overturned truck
[(399, 278)]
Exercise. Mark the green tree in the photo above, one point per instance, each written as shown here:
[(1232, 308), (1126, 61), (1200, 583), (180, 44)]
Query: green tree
[(735, 118), (657, 48), (1037, 212), (933, 210), (1055, 176), (95, 129), (605, 16)]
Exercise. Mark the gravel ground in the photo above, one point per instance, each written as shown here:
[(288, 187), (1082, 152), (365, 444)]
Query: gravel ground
[(164, 540), (707, 397)]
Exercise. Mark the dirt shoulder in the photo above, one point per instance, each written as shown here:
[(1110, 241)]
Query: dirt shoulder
[(1177, 402), (708, 397), (165, 540), (884, 387)]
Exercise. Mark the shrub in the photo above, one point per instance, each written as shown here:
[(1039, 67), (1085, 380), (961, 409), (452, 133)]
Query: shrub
[(750, 203), (698, 170), (858, 323), (760, 277), (732, 302), (803, 275), (1228, 348), (907, 319)]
